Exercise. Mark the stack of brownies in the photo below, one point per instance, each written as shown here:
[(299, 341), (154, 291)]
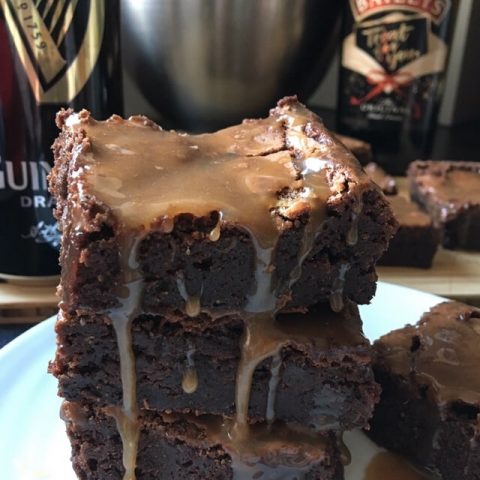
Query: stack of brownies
[(208, 324)]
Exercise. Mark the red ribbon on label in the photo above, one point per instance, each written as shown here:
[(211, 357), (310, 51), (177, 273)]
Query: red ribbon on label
[(382, 82)]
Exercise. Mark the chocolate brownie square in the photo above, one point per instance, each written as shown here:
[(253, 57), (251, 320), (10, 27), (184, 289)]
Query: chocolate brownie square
[(450, 193), (430, 403)]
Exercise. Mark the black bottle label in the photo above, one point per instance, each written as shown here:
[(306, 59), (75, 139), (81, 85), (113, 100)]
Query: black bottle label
[(39, 30), (49, 51), (391, 57)]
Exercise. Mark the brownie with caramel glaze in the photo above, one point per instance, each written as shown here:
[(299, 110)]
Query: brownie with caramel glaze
[(430, 403), (284, 200), (183, 447), (324, 378), (450, 193)]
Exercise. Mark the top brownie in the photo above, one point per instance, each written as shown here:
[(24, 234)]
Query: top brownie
[(272, 213), (450, 193)]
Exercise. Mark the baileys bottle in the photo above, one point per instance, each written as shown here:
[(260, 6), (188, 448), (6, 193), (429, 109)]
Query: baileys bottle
[(394, 55)]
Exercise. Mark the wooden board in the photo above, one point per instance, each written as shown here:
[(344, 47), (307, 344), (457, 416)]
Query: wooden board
[(454, 274), (26, 304)]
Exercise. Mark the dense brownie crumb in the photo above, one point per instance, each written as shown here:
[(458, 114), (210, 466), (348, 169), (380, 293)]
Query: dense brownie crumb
[(324, 382)]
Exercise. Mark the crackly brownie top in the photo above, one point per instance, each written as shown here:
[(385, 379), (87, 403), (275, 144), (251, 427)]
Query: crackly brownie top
[(454, 184), (441, 351), (143, 173), (408, 214)]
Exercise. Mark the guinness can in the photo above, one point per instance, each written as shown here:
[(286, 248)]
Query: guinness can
[(53, 54), (394, 55)]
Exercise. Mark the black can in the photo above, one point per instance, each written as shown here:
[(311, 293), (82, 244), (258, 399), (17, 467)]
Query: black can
[(52, 55), (394, 55)]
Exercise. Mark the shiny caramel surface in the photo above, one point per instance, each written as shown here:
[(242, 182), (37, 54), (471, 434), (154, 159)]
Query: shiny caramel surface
[(442, 351)]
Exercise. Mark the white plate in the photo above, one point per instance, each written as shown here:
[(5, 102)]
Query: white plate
[(33, 443)]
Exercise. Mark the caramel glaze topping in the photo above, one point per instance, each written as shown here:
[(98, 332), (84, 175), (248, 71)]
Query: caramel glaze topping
[(441, 351), (286, 164)]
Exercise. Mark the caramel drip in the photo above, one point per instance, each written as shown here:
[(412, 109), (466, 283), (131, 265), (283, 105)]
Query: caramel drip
[(387, 465), (352, 234), (193, 304), (122, 318), (272, 451), (190, 376), (265, 335), (264, 299), (214, 235), (336, 298), (260, 341), (272, 387)]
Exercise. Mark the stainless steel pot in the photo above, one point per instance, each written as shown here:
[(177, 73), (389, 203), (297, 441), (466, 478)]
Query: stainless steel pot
[(204, 64)]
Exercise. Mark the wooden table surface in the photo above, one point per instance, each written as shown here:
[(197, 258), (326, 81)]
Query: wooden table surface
[(454, 275)]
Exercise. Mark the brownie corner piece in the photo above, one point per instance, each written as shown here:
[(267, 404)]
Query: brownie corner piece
[(429, 409), (449, 191)]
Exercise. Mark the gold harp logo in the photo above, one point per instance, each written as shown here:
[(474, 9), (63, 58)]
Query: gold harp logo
[(39, 29)]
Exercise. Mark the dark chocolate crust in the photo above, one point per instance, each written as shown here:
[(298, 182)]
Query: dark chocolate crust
[(440, 436), (223, 271), (457, 219), (168, 449), (327, 387)]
